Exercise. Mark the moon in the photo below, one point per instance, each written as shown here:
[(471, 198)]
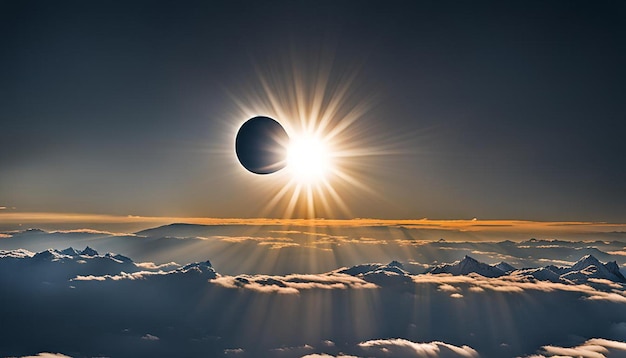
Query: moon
[(261, 145)]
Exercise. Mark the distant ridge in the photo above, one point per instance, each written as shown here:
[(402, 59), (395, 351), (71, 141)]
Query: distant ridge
[(580, 272)]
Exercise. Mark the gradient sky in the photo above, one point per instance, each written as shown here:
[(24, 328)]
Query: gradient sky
[(500, 110)]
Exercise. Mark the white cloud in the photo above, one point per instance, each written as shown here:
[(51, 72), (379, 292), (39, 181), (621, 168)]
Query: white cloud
[(404, 348), (150, 337), (292, 350), (47, 355), (513, 284), (153, 266), (448, 288), (593, 348), (292, 284), (234, 351)]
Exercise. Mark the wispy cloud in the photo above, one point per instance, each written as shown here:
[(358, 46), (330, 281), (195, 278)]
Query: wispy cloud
[(271, 242)]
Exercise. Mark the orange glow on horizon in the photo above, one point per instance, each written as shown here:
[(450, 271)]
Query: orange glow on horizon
[(511, 226)]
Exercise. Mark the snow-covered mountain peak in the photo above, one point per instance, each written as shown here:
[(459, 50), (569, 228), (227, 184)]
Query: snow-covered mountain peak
[(585, 261), (505, 267), (466, 266), (88, 251), (70, 251), (49, 255), (202, 268)]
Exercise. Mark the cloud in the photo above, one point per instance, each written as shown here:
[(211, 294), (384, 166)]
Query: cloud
[(293, 284), (476, 289), (405, 348), (448, 288), (323, 355), (47, 355), (299, 350), (278, 245), (234, 351), (153, 266), (150, 337), (469, 226), (592, 348), (91, 232), (195, 311), (273, 243), (513, 284)]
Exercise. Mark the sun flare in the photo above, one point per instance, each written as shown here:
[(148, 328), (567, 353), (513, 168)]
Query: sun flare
[(330, 149), (309, 159)]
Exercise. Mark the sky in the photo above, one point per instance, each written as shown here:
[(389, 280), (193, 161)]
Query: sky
[(495, 110)]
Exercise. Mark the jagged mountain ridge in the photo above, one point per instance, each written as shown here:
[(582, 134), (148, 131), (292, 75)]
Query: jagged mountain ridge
[(586, 267), (468, 265), (54, 266), (71, 262)]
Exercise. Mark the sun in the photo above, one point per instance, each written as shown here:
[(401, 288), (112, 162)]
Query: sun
[(309, 159), (331, 151)]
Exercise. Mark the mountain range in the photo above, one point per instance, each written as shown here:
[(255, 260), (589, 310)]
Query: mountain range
[(580, 272), (54, 265)]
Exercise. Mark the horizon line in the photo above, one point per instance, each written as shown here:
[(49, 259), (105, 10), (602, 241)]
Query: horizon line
[(474, 224)]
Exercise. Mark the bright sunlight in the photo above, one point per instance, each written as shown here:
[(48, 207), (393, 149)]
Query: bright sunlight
[(309, 159)]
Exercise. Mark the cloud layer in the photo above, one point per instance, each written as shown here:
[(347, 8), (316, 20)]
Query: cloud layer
[(90, 304)]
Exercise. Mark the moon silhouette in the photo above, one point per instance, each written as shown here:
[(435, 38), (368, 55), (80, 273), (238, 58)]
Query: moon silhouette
[(260, 145)]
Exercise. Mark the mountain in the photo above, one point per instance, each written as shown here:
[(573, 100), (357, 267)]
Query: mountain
[(15, 254), (70, 251), (88, 251), (58, 266), (182, 230), (505, 267), (541, 274), (580, 272), (466, 266), (392, 273), (589, 267), (53, 267), (204, 269)]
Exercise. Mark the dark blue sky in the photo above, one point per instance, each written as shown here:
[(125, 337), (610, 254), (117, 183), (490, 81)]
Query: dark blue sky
[(501, 109)]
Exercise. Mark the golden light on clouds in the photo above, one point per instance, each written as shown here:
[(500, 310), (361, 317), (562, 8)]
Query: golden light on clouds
[(470, 226)]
